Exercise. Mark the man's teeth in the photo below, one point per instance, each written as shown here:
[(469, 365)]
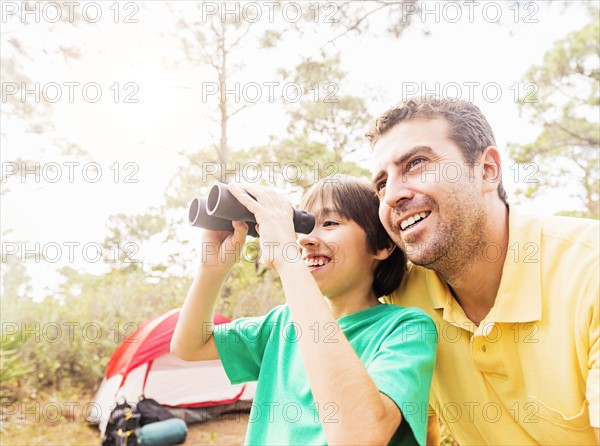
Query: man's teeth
[(316, 262), (413, 219)]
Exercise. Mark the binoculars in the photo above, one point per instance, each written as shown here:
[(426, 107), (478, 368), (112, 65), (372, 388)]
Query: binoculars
[(218, 210)]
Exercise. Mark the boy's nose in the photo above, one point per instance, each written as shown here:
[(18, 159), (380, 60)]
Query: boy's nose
[(305, 240)]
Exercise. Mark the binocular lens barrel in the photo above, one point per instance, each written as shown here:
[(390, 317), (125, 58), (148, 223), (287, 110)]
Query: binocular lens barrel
[(221, 203), (198, 217), (221, 207)]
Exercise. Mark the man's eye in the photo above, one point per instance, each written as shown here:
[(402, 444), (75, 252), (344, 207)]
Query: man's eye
[(380, 186), (415, 163)]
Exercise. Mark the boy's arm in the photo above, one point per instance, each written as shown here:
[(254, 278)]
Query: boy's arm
[(363, 415), (193, 337)]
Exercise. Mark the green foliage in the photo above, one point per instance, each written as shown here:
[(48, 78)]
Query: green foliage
[(250, 288), (72, 334), (565, 100), (301, 163), (13, 368), (192, 180), (16, 283), (127, 233), (270, 38), (325, 115), (310, 72)]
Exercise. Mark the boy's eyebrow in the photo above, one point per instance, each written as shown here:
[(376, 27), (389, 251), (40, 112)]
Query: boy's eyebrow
[(326, 212), (403, 159)]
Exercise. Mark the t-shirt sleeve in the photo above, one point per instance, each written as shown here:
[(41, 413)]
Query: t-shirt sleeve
[(403, 370), (241, 345)]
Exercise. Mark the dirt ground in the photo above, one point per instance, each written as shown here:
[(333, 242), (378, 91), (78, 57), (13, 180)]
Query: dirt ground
[(228, 429)]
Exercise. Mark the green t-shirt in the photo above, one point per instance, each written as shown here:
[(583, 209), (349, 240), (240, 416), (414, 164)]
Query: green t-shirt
[(396, 345)]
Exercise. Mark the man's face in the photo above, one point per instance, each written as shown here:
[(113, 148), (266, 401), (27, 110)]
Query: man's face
[(431, 199)]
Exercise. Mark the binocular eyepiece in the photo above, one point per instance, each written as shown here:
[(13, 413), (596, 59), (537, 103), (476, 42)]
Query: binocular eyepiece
[(221, 207)]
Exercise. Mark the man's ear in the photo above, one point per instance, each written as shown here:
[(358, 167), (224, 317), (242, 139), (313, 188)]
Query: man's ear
[(384, 253), (492, 171)]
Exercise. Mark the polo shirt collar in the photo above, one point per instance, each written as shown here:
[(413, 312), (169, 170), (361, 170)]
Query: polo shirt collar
[(442, 299), (438, 290), (519, 297)]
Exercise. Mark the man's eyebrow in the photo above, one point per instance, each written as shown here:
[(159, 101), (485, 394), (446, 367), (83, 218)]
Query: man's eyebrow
[(377, 177), (404, 158)]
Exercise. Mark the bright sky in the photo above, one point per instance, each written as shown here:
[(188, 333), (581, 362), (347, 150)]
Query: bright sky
[(474, 58)]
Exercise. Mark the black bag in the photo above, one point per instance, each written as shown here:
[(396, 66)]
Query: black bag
[(122, 425), (151, 411)]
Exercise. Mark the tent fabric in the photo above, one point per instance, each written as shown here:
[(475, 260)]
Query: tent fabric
[(143, 365), (151, 340), (209, 376)]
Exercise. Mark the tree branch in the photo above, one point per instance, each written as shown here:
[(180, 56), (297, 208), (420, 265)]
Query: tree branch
[(358, 22), (574, 135)]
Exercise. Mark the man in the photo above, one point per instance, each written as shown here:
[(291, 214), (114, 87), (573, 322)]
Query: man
[(514, 297)]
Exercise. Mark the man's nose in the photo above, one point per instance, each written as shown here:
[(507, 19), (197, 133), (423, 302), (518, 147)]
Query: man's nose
[(397, 190)]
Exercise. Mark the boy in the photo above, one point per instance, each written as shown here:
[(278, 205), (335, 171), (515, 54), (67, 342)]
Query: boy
[(333, 365)]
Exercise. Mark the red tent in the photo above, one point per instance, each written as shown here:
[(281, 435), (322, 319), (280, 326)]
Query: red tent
[(143, 365), (151, 340)]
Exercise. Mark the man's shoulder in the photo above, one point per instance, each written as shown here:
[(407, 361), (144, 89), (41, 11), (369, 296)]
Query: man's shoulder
[(570, 230), (570, 250), (561, 255), (581, 232)]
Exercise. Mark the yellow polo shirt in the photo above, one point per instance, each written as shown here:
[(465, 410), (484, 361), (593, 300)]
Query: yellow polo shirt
[(529, 373)]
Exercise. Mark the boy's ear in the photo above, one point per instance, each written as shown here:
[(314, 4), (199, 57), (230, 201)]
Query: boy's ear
[(384, 253)]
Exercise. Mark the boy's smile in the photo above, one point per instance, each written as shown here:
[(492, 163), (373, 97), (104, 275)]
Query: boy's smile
[(337, 255), (316, 261)]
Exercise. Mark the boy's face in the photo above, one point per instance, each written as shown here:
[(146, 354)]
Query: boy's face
[(337, 255)]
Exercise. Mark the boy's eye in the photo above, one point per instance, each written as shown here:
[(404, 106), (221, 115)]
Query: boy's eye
[(330, 223)]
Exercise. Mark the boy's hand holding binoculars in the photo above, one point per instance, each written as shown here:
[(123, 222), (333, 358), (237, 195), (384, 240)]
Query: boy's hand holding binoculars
[(221, 249), (275, 224)]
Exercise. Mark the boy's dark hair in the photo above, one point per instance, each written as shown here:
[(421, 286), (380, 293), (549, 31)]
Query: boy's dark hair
[(467, 126), (354, 199)]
